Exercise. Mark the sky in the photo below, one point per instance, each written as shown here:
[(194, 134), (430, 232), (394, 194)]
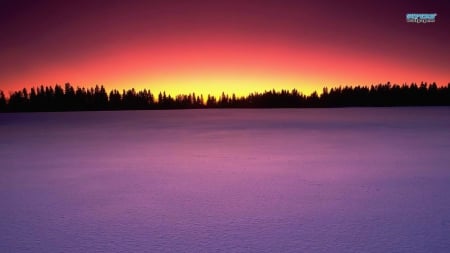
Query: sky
[(211, 46)]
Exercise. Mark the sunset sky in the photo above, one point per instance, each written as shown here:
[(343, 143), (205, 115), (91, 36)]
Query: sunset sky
[(213, 46)]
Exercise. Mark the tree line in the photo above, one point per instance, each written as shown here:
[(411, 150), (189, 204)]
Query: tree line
[(57, 98)]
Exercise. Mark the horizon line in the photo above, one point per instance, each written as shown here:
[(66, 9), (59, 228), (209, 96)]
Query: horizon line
[(8, 93)]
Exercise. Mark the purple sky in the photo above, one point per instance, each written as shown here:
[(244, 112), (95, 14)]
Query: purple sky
[(44, 41)]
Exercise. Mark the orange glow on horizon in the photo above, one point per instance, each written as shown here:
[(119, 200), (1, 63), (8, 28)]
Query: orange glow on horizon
[(204, 65)]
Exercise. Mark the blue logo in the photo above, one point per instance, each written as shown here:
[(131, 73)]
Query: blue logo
[(421, 17)]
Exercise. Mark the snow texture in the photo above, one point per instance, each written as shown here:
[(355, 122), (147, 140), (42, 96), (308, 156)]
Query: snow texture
[(275, 180)]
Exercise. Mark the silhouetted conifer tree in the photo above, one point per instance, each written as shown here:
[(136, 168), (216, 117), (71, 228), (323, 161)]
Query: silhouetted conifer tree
[(58, 99), (2, 101)]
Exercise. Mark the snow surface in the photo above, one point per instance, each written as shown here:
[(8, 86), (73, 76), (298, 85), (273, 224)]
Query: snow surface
[(275, 180)]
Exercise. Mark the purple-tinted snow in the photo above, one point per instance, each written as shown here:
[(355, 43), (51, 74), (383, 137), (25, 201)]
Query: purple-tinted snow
[(279, 180)]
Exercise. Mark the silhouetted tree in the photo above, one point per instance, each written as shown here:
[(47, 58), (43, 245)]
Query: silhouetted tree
[(2, 101), (58, 99), (115, 100)]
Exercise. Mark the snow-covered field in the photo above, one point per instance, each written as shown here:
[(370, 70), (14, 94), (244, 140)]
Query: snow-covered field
[(276, 180)]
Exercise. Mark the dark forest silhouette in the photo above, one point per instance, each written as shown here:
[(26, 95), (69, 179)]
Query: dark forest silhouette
[(68, 98)]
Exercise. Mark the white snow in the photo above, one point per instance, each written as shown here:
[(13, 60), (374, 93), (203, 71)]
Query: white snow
[(275, 180)]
